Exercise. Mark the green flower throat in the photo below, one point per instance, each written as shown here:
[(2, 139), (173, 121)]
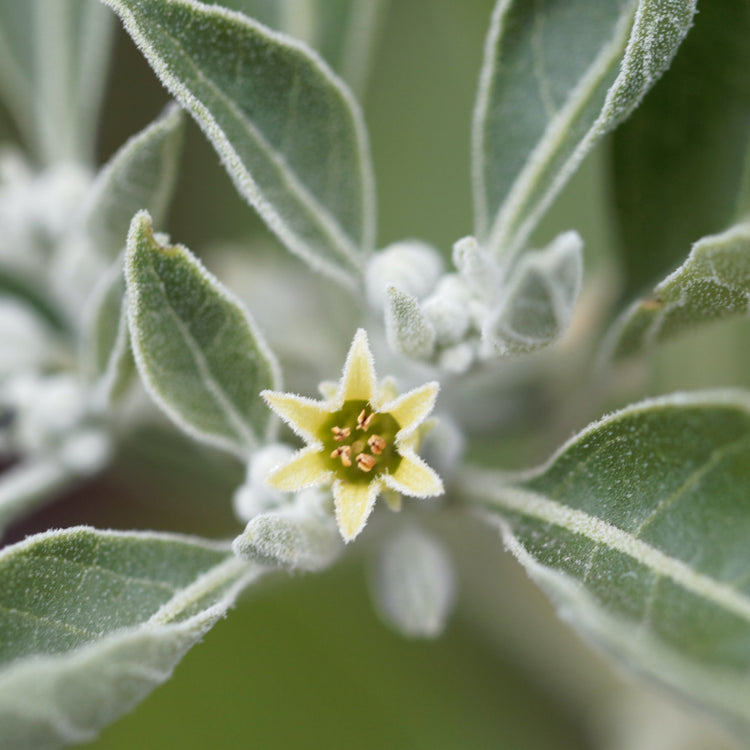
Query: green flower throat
[(360, 443)]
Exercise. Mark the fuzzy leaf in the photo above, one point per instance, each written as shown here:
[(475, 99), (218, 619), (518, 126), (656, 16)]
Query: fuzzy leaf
[(538, 302), (291, 539), (95, 620), (106, 355), (712, 284), (676, 164), (637, 529), (141, 175), (557, 75), (196, 347), (53, 64), (288, 131), (408, 329)]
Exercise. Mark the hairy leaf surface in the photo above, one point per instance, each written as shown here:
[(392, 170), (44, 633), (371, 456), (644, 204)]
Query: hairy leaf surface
[(712, 284), (197, 350), (637, 529), (288, 131), (92, 621), (557, 75), (676, 164)]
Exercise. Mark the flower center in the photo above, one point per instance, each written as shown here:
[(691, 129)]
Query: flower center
[(359, 443)]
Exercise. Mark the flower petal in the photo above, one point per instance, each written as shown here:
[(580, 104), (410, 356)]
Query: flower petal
[(410, 409), (304, 415), (414, 477), (354, 503), (328, 389), (358, 381), (307, 468)]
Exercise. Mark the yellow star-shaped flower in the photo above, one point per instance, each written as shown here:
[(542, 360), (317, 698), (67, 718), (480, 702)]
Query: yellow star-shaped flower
[(362, 439)]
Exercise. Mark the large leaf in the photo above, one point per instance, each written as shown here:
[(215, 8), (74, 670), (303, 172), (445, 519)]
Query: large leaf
[(289, 133), (637, 528), (712, 284), (92, 621), (53, 63), (197, 350), (677, 163), (557, 75)]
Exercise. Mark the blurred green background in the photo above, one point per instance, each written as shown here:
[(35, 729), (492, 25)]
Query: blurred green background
[(304, 661)]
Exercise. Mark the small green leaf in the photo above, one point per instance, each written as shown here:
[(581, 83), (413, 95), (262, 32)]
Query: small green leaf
[(676, 164), (196, 347), (106, 356), (288, 131), (141, 175), (637, 529), (92, 621), (557, 76), (53, 64), (537, 303), (408, 329), (712, 284), (291, 538)]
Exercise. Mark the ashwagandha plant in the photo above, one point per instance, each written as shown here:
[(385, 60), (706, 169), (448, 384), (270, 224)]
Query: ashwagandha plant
[(637, 528)]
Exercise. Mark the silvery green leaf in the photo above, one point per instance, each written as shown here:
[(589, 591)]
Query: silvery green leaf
[(637, 529), (53, 64), (292, 537), (537, 303), (414, 584), (712, 284), (556, 77), (197, 349), (343, 31), (95, 620), (288, 131), (105, 356), (676, 164), (141, 175), (408, 330)]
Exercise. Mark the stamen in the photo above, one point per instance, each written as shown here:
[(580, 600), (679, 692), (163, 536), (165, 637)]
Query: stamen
[(365, 461), (344, 452), (340, 433), (364, 420), (377, 444)]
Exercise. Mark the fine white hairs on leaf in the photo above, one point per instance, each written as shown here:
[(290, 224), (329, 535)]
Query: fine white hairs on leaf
[(536, 306), (297, 537), (408, 330)]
